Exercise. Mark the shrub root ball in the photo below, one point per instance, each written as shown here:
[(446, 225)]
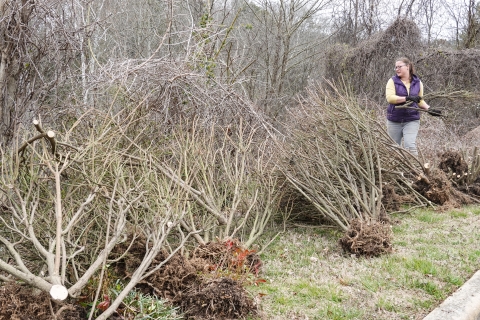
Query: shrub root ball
[(201, 285), (442, 185), (222, 298), (367, 238)]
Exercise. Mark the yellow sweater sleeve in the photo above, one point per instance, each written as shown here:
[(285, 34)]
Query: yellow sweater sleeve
[(422, 102), (390, 92)]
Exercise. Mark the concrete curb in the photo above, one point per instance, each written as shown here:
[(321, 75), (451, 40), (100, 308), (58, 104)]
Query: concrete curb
[(464, 304)]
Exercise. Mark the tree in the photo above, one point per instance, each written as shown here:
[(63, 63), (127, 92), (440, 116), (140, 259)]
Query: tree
[(472, 29), (454, 12), (430, 10), (280, 46), (16, 63), (356, 20)]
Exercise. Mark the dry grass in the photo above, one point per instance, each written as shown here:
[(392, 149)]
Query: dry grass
[(309, 277)]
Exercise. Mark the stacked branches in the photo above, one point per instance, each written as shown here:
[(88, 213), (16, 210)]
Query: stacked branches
[(234, 185), (175, 155), (64, 211), (340, 158), (190, 121), (172, 91)]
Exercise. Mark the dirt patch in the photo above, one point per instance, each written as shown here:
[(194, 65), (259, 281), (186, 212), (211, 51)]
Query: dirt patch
[(391, 200), (201, 285), (19, 302), (435, 187), (367, 238), (453, 162)]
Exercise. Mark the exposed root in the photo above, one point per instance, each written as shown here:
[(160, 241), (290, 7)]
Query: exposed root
[(221, 298), (367, 238)]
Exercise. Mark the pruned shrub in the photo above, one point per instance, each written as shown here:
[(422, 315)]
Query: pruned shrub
[(338, 156)]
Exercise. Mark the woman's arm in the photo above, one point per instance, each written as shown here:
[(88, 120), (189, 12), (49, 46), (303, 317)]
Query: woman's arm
[(391, 94), (422, 104)]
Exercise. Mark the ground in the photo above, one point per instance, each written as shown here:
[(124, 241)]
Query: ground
[(210, 284), (19, 302)]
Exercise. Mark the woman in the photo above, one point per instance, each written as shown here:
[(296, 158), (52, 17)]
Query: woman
[(404, 87)]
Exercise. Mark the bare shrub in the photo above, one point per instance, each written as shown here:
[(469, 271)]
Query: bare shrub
[(68, 199), (339, 157), (234, 183)]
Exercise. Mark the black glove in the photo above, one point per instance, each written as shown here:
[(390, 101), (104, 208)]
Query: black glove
[(435, 113), (415, 99)]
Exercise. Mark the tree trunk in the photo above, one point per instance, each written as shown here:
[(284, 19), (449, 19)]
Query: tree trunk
[(13, 28)]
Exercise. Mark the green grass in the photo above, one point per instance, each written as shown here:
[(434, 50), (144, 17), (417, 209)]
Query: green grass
[(137, 305), (385, 304), (309, 276), (423, 266), (430, 217)]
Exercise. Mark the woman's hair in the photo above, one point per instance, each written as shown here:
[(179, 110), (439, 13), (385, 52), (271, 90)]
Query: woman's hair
[(409, 64)]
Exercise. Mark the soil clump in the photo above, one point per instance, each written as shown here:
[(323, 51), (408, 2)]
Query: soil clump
[(201, 285), (446, 185), (392, 201), (222, 298), (452, 161), (207, 285), (435, 187), (367, 238), (18, 302)]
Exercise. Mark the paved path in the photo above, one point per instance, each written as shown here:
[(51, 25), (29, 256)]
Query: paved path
[(464, 304)]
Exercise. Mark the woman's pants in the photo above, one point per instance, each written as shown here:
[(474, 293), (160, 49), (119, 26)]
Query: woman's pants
[(406, 130)]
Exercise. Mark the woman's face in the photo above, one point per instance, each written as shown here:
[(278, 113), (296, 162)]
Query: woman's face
[(401, 69)]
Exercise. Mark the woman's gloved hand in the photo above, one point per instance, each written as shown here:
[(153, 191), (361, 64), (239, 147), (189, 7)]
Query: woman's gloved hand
[(415, 99), (434, 112)]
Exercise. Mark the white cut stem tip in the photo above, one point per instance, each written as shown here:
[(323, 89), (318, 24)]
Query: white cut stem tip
[(58, 292)]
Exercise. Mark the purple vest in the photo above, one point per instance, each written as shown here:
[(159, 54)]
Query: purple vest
[(404, 115)]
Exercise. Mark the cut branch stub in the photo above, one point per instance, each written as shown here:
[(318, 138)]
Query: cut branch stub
[(51, 139), (50, 135)]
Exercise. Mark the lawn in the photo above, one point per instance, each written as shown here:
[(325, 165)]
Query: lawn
[(308, 276)]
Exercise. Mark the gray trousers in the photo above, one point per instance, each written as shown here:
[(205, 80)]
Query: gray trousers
[(406, 130)]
